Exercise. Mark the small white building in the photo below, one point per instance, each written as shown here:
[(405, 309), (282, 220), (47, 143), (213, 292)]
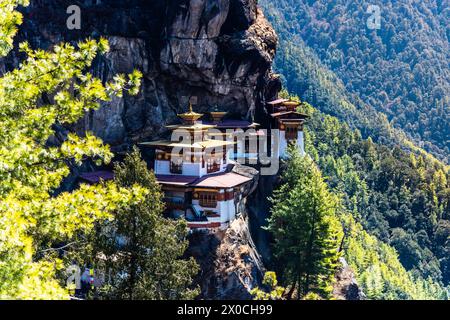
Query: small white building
[(289, 123)]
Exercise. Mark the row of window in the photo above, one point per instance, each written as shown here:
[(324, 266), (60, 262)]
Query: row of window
[(212, 166)]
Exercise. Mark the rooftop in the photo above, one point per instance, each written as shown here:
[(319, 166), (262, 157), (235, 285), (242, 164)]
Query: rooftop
[(218, 180), (278, 101), (177, 180), (190, 116), (285, 113), (97, 176), (197, 145), (221, 180), (233, 124), (198, 126)]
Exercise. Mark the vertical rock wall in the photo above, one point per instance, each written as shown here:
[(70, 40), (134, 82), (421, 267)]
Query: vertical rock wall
[(218, 50)]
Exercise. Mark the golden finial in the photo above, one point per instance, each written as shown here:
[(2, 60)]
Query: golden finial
[(190, 116)]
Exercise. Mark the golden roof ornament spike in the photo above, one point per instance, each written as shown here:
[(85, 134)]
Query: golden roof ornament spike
[(190, 117)]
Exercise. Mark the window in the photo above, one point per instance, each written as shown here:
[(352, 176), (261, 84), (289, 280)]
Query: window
[(213, 166), (208, 200), (291, 133), (176, 166), (213, 163)]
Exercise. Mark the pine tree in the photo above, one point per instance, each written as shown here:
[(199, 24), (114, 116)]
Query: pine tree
[(305, 228), (141, 251), (9, 20), (49, 89)]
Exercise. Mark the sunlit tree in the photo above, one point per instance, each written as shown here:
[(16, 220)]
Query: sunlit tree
[(49, 89)]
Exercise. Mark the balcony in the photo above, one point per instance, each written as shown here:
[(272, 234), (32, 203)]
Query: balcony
[(200, 219)]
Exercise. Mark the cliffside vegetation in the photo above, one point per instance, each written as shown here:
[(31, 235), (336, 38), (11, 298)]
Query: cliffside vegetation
[(393, 207), (305, 229), (139, 250), (383, 99), (401, 198)]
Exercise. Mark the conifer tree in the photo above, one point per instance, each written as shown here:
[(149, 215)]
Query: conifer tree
[(305, 228), (141, 251), (49, 89)]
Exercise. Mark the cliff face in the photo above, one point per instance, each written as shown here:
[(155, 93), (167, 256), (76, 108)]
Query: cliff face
[(217, 50), (220, 51)]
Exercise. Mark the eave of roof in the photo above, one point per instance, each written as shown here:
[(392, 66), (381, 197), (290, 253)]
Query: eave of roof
[(197, 145), (284, 113), (278, 101), (176, 180), (234, 124), (193, 127)]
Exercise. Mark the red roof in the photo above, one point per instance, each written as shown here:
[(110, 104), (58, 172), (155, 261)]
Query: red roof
[(221, 180), (97, 176)]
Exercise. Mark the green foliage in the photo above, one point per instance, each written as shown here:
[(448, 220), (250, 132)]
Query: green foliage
[(305, 228), (272, 290), (140, 251), (48, 89), (378, 269), (312, 296), (387, 189), (9, 20), (383, 82), (393, 208), (400, 198)]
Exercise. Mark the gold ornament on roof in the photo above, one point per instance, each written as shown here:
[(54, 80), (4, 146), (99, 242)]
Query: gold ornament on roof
[(190, 117)]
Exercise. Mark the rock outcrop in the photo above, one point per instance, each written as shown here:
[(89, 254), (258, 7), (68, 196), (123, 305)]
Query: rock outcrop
[(346, 287), (230, 263), (220, 51)]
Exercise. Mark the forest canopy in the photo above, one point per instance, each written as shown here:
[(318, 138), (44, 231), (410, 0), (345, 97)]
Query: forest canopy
[(400, 70)]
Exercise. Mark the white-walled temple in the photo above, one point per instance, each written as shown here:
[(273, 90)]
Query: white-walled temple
[(195, 172), (196, 167)]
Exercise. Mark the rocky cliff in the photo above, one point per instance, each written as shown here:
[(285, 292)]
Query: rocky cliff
[(220, 51)]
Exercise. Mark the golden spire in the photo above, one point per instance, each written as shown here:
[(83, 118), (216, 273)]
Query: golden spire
[(190, 117)]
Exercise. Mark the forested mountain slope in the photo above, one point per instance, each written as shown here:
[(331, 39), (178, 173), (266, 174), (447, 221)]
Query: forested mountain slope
[(401, 199), (400, 70)]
